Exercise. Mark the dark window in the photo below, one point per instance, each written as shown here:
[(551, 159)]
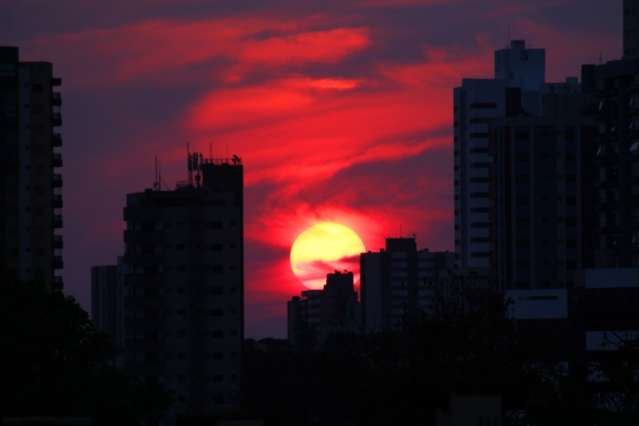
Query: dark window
[(480, 135), (483, 105)]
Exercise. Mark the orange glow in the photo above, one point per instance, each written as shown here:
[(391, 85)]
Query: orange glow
[(323, 248)]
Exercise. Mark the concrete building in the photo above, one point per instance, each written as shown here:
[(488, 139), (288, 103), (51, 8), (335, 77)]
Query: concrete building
[(630, 29), (184, 286), (542, 180), (339, 308), (106, 301), (397, 283), (319, 314), (614, 87), (477, 103), (303, 319), (30, 179)]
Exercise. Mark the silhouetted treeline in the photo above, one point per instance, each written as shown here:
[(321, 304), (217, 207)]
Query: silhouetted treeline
[(467, 347), (55, 363)]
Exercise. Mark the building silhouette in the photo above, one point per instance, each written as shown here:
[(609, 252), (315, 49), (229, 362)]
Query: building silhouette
[(317, 315), (106, 301), (30, 179), (397, 283), (339, 309), (614, 88), (630, 29), (303, 319), (542, 179), (184, 284), (607, 300), (519, 77)]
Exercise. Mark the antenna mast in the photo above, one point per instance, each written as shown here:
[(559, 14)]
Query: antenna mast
[(189, 163), (155, 178)]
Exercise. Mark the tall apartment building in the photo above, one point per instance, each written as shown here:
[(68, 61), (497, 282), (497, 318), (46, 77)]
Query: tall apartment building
[(397, 283), (183, 286), (30, 183), (477, 103), (542, 176), (614, 88), (630, 29)]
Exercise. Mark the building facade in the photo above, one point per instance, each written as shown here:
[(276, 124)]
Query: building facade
[(30, 179), (318, 315), (614, 88), (303, 319), (630, 29), (397, 283), (477, 103), (542, 180), (106, 301), (183, 286)]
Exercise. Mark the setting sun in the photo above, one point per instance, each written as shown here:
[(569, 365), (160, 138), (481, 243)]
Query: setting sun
[(323, 248)]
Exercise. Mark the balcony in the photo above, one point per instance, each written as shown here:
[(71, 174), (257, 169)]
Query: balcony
[(56, 160), (56, 119), (57, 221), (56, 180), (56, 140), (56, 81), (57, 283), (56, 99), (56, 202), (58, 242), (57, 262)]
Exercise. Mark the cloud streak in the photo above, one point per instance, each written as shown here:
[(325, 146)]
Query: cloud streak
[(341, 110)]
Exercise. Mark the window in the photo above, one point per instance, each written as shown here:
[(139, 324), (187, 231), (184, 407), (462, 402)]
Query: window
[(480, 135), (483, 105), (481, 120)]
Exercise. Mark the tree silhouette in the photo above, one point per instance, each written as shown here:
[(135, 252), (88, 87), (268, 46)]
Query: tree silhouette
[(55, 362)]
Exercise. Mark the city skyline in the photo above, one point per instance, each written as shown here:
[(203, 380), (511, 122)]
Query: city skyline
[(322, 74)]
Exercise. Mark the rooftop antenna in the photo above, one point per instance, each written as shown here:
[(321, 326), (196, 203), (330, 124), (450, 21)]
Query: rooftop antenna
[(155, 178), (160, 177), (211, 151), (189, 163)]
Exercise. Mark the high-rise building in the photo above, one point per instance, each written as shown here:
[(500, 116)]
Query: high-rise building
[(338, 307), (477, 103), (106, 302), (30, 183), (630, 29), (614, 88), (397, 283), (303, 319), (183, 286), (541, 181), (317, 315)]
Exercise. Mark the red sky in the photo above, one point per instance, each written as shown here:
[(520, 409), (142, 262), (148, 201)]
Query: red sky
[(341, 110)]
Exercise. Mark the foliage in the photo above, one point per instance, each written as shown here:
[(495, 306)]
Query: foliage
[(466, 346), (55, 363)]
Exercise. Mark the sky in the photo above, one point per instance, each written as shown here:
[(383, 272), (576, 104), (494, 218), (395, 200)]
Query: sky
[(341, 110)]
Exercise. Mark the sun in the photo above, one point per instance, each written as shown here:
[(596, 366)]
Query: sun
[(323, 248)]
